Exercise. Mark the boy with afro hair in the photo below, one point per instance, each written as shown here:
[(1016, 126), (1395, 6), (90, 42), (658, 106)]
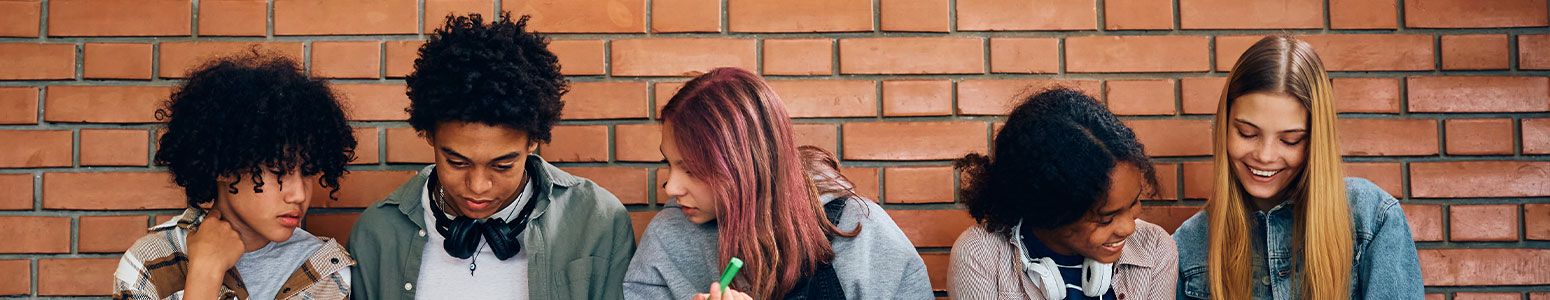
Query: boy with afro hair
[(248, 138), (490, 219)]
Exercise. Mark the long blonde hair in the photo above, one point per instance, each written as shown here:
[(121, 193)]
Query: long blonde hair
[(1322, 236)]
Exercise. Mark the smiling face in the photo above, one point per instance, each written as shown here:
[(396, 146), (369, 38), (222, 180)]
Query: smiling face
[(694, 196), (1267, 144), (480, 166), (1101, 233), (273, 213)]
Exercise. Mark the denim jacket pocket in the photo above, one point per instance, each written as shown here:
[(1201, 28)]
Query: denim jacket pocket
[(1196, 284)]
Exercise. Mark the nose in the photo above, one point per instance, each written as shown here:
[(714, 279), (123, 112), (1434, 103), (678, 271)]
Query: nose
[(296, 188), (1126, 228), (1261, 152), (479, 181), (673, 187)]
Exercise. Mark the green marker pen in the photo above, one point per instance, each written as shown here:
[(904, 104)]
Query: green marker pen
[(726, 275)]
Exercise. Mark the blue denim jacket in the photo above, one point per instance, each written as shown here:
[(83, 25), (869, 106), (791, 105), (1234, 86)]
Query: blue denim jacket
[(1385, 265)]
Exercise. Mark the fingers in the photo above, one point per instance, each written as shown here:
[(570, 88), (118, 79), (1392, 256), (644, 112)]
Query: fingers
[(715, 291)]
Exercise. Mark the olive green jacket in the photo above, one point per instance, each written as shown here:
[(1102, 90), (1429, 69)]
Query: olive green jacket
[(579, 240)]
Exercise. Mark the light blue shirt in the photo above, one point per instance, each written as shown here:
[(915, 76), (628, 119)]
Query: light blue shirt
[(1384, 265)]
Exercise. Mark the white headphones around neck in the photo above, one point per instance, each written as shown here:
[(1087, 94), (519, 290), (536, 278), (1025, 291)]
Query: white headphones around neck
[(1096, 276)]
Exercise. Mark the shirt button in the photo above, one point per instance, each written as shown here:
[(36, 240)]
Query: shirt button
[(408, 286), (1284, 273), (1265, 280), (422, 233)]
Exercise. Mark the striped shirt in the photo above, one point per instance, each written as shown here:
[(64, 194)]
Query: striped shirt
[(155, 268), (985, 266)]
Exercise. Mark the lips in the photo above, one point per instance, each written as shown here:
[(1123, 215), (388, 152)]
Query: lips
[(688, 210), (1114, 246), (290, 219), (1263, 175), (478, 204)]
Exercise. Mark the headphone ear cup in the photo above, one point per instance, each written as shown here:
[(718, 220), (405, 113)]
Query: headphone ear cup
[(502, 237), (1096, 277), (462, 237)]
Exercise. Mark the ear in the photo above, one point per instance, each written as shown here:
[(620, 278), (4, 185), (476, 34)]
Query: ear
[(532, 146)]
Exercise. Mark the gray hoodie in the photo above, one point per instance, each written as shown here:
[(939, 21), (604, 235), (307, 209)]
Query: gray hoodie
[(677, 258)]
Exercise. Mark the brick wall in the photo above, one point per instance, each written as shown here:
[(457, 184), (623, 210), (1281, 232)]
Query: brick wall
[(1445, 104)]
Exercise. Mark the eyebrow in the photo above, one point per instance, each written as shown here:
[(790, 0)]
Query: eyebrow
[(1133, 202), (508, 156), (1298, 130)]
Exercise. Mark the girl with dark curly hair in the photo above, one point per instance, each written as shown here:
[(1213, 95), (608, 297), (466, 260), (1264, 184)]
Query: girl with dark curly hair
[(1057, 208), (248, 138)]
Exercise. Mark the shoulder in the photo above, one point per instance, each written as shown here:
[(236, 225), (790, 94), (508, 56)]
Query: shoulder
[(1371, 206), (1153, 237), (1191, 239), (581, 195), (978, 243)]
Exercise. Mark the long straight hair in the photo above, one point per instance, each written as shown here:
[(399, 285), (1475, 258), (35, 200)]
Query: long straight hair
[(1283, 65), (735, 135)]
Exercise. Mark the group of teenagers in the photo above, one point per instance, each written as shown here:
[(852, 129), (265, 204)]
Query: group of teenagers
[(249, 138)]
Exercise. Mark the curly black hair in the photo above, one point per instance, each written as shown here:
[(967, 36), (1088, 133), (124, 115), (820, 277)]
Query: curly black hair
[(1052, 163), (495, 74), (250, 113)]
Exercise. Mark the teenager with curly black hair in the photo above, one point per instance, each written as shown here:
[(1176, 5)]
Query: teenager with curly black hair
[(1057, 208), (248, 138), (490, 219)]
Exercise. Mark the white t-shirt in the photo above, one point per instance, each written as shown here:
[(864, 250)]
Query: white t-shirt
[(443, 276)]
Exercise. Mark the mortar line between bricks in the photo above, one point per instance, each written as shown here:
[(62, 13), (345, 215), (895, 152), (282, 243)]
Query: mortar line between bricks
[(193, 18), (269, 20)]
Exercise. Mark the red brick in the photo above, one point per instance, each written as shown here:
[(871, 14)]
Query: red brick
[(680, 56), (1387, 175), (404, 145), (937, 264), (110, 233), (605, 100), (997, 15), (1089, 54), (917, 97), (1487, 296), (827, 98), (1534, 51), (1475, 14), (1168, 217), (1229, 48), (1479, 136), (817, 134), (1167, 181), (617, 16), (798, 57), (1387, 137), (117, 61), (628, 184), (346, 59), (1366, 95), (76, 276), (1478, 94), (401, 55), (1479, 179), (1137, 14), (912, 55), (332, 225), (361, 188), (44, 148), (1474, 52), (119, 18), (35, 234), (1362, 14), (997, 97), (367, 144), (931, 228), (374, 102), (1200, 95), (111, 191), (19, 105), (918, 184), (1228, 14), (865, 180), (1536, 136), (1531, 296), (351, 17), (1354, 52), (233, 17), (661, 196), (1140, 97), (15, 191), (437, 11), (1483, 223), (638, 142), (577, 143), (115, 147), (1484, 266), (799, 16), (912, 140), (31, 61), (577, 57), (18, 275), (1024, 55), (639, 220), (1173, 137), (104, 104), (686, 16), (1425, 221), (178, 58), (1536, 221), (914, 15), (663, 92), (20, 19)]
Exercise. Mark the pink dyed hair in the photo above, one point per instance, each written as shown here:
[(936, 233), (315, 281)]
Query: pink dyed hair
[(734, 135)]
